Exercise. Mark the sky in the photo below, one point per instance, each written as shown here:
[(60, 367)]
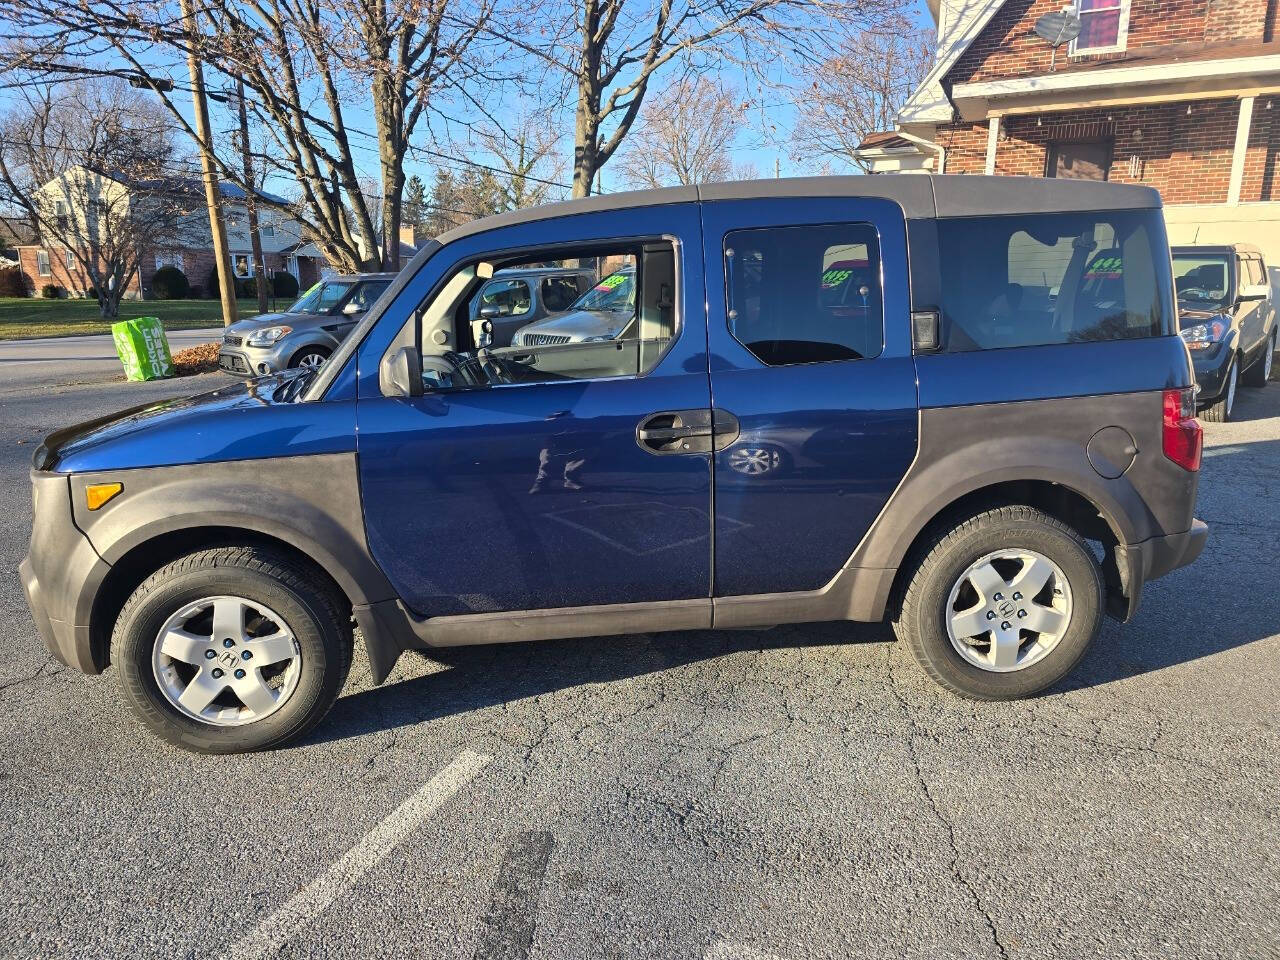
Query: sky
[(762, 144)]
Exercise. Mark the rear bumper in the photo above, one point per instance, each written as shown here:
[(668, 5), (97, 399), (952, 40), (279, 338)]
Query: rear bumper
[(1154, 558)]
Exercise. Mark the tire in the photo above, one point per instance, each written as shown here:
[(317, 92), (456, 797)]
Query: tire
[(309, 357), (926, 604), (1220, 410), (281, 601), (1260, 371)]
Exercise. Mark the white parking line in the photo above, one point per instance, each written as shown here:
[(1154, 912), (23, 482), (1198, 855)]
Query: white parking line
[(724, 950), (316, 897)]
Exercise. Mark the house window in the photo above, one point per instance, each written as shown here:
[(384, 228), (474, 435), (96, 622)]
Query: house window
[(1079, 160), (1104, 26), (169, 260), (42, 263), (269, 230), (59, 208), (242, 265), (71, 260)]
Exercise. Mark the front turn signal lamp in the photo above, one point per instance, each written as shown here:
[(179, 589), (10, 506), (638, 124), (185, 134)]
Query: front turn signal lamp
[(98, 494)]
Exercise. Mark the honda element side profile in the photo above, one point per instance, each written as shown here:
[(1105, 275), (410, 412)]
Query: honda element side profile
[(966, 400)]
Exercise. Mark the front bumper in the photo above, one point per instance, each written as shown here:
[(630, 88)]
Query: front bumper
[(242, 361), (61, 575), (1211, 372), (1154, 558)]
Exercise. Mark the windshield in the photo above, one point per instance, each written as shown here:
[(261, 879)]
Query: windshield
[(322, 297), (615, 292), (1203, 278)]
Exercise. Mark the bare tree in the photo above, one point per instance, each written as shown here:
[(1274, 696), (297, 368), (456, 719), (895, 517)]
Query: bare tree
[(91, 168), (304, 64), (860, 91), (525, 155), (609, 51), (686, 135)]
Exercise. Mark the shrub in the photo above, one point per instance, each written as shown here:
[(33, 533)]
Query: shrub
[(197, 291), (51, 291), (284, 285), (91, 293), (247, 288), (211, 288), (170, 283), (14, 283)]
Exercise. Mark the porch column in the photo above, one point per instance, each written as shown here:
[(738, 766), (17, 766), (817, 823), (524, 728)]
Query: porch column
[(1243, 122), (993, 137)]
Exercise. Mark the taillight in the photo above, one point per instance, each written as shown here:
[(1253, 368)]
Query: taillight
[(1183, 438)]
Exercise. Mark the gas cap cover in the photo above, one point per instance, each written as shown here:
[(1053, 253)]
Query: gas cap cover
[(1111, 451)]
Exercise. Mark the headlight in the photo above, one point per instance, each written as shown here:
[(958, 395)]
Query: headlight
[(265, 338), (517, 340), (1204, 335)]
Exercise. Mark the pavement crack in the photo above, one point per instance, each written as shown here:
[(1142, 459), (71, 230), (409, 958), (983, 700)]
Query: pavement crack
[(943, 821), (30, 678)]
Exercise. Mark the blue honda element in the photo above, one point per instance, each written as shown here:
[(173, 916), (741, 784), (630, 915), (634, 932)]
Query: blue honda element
[(959, 404)]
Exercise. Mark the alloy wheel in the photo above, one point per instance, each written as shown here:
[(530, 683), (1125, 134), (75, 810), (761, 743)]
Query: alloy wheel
[(309, 361), (1008, 610), (226, 661)]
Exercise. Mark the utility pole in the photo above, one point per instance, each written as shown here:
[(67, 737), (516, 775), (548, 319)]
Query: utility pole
[(251, 201), (212, 197), (777, 168)]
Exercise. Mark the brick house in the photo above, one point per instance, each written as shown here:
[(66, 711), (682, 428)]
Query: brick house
[(1181, 95), (45, 261)]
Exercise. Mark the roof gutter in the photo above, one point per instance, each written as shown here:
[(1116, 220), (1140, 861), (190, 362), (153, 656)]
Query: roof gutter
[(937, 148)]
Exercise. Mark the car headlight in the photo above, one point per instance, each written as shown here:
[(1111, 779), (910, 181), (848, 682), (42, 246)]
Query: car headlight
[(265, 338), (1205, 335), (517, 340)]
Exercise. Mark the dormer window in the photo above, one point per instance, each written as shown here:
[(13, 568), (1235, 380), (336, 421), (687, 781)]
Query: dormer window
[(1104, 26)]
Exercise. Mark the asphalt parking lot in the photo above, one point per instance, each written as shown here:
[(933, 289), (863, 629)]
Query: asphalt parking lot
[(798, 792)]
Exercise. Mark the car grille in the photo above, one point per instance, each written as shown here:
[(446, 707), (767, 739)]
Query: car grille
[(232, 340), (543, 339)]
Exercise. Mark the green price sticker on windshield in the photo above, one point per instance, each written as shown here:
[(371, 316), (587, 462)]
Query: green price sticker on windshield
[(833, 278), (608, 283)]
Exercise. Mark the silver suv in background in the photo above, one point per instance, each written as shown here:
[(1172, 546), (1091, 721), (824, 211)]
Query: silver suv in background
[(305, 334)]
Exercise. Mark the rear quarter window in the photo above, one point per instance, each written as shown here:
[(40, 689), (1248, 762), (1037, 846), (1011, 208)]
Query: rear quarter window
[(1040, 279)]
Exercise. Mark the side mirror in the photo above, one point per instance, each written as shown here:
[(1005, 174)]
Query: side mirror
[(351, 309), (1255, 291), (401, 374), (490, 311)]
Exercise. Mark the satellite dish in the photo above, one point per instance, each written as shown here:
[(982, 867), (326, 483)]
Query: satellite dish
[(1058, 28)]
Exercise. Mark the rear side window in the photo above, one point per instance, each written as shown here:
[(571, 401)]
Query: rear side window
[(805, 294), (1037, 279)]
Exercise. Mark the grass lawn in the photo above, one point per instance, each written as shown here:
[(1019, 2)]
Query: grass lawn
[(24, 318)]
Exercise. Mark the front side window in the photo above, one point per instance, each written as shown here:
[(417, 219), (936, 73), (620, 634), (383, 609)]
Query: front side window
[(611, 335), (321, 298), (366, 295), (1202, 280), (1040, 279), (510, 298), (805, 294), (1104, 26)]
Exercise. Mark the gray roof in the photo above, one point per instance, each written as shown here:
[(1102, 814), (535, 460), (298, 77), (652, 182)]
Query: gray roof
[(921, 196)]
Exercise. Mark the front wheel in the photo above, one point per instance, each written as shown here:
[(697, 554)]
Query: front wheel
[(1002, 605), (231, 649), (309, 358)]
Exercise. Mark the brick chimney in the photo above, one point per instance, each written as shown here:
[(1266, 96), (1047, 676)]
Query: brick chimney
[(407, 236)]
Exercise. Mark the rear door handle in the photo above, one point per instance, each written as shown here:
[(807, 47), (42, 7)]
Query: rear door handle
[(675, 432)]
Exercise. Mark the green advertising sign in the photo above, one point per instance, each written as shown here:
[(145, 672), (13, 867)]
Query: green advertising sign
[(143, 348)]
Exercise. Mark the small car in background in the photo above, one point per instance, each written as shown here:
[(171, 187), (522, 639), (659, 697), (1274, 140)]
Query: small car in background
[(605, 312), (1227, 312), (305, 334), (517, 297)]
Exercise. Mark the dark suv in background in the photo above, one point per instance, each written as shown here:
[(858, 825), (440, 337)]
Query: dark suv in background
[(1227, 311), (992, 413)]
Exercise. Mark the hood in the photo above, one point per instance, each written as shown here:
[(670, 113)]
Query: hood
[(248, 420), (581, 323), (1189, 317)]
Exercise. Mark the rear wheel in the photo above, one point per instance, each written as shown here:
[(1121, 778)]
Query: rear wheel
[(231, 649), (1221, 409), (1002, 605), (308, 358), (1260, 372)]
